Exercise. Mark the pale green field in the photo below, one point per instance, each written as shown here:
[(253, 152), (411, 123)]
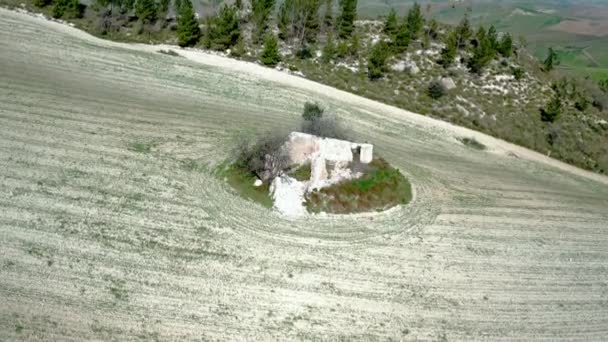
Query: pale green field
[(112, 226)]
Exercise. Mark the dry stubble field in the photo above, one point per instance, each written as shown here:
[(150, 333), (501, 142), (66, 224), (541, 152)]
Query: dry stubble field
[(112, 227)]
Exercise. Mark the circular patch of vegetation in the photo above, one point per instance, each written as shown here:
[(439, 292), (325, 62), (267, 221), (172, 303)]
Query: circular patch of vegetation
[(380, 187)]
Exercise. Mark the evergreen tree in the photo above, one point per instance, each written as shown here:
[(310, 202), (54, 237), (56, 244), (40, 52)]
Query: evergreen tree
[(553, 110), (223, 30), (329, 51), (163, 8), (464, 32), (328, 18), (68, 9), (145, 10), (483, 53), (270, 56), (402, 38), (415, 21), (449, 52), (284, 19), (551, 60), (376, 64), (505, 47), (390, 25), (355, 44), (493, 37), (311, 21), (42, 3), (346, 20), (261, 10), (188, 31)]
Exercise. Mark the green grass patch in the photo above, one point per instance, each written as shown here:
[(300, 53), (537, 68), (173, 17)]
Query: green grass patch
[(241, 180), (302, 173), (381, 187), (141, 147), (473, 143)]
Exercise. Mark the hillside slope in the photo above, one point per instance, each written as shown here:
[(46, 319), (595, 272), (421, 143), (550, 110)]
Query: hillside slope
[(112, 226)]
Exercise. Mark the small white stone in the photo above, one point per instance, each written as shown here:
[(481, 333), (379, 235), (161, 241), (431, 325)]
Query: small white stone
[(257, 183)]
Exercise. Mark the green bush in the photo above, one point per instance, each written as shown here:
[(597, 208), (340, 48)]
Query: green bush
[(42, 3), (312, 111), (223, 31), (436, 90), (68, 9), (518, 73), (188, 31)]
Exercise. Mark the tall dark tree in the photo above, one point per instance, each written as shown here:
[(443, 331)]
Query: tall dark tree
[(505, 47), (328, 17), (298, 20), (145, 10), (346, 20), (464, 32), (391, 25), (483, 53), (415, 21), (449, 52), (261, 10), (223, 30), (402, 38), (270, 55), (376, 64), (188, 31), (311, 21), (68, 9), (493, 37), (551, 61), (329, 50)]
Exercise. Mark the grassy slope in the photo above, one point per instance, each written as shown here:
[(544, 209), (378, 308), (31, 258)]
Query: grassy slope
[(120, 244)]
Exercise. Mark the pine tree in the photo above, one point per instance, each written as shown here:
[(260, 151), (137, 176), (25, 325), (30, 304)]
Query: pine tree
[(145, 10), (329, 50), (270, 56), (390, 25), (483, 53), (505, 47), (464, 32), (449, 52), (311, 21), (415, 21), (553, 110), (493, 37), (376, 64), (346, 20), (551, 60), (328, 18), (188, 31), (402, 38), (68, 9), (261, 10), (42, 3), (284, 19), (223, 30)]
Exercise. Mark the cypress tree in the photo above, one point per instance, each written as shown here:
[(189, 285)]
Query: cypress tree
[(390, 25), (346, 20), (284, 19), (311, 21), (551, 60), (493, 37), (270, 56), (188, 31)]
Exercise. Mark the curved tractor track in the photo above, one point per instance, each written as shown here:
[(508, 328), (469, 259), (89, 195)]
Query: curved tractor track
[(112, 226)]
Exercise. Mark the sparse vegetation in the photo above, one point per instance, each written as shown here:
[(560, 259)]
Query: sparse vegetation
[(473, 143)]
